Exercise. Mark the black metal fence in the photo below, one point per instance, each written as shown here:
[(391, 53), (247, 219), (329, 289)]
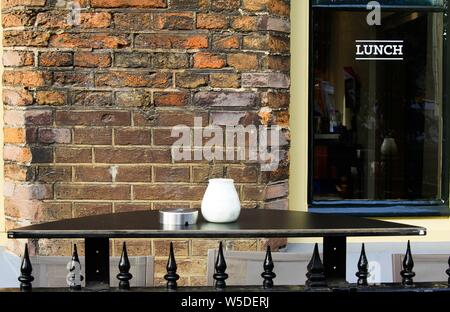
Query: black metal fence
[(316, 279)]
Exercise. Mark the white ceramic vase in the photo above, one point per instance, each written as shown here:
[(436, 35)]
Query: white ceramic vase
[(220, 202)]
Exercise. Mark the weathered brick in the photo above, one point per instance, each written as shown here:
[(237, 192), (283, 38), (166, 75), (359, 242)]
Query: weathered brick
[(279, 62), (92, 136), (252, 192), (277, 99), (180, 247), (189, 4), (255, 42), (243, 61), (52, 174), (225, 99), (266, 80), (18, 58), (201, 247), (133, 206), (171, 98), (31, 117), (55, 59), (88, 40), (277, 190), (225, 5), (168, 192), (177, 21), (137, 98), (54, 135), (245, 23), (133, 174), (94, 20), (191, 80), (94, 192), (133, 21), (17, 153), (50, 98), (13, 3), (171, 60), (278, 24), (166, 41), (203, 174), (42, 155), (135, 247), (208, 60), (171, 174), (17, 172), (73, 155), (278, 204), (128, 3), (211, 21), (279, 7), (92, 174), (53, 20), (227, 118), (132, 60), (170, 119), (28, 191), (131, 136), (170, 204), (131, 155), (89, 59), (255, 5), (72, 79), (25, 38), (93, 118), (225, 80), (226, 41), (163, 137), (90, 209), (279, 44), (14, 135), (17, 97), (27, 78), (91, 98), (133, 79)]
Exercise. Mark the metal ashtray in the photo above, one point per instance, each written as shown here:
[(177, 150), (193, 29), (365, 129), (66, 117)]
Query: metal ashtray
[(178, 216)]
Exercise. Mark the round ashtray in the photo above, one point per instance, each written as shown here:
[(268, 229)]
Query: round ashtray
[(178, 216)]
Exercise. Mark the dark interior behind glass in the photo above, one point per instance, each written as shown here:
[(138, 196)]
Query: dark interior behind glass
[(377, 125)]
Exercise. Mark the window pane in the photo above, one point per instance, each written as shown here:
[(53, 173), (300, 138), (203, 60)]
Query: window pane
[(377, 123)]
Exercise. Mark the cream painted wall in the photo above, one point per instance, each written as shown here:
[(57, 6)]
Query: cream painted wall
[(438, 228)]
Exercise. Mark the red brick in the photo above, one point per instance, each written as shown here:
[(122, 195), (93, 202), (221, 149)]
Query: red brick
[(133, 206), (208, 60), (93, 118), (92, 136), (53, 20), (252, 192), (255, 5), (73, 155), (88, 40), (28, 191), (166, 41), (129, 3), (279, 7), (137, 98), (16, 153), (42, 155), (162, 137), (247, 174), (50, 98), (225, 5), (277, 99), (255, 42), (91, 99), (90, 209), (31, 117), (168, 192), (18, 58), (243, 61), (53, 135), (131, 155), (25, 38), (17, 97), (170, 119), (171, 98), (133, 174), (18, 173), (225, 41), (127, 136), (191, 80), (211, 21), (133, 21), (13, 3), (279, 62), (245, 23), (171, 60), (14, 135), (55, 59), (225, 80), (89, 59), (96, 192), (177, 21), (92, 174), (72, 79), (171, 174), (26, 78), (95, 20), (279, 44), (133, 79), (52, 174), (180, 247)]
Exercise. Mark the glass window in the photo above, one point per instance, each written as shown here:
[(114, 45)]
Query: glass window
[(377, 104)]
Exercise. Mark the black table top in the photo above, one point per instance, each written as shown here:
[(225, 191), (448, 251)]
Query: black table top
[(253, 223)]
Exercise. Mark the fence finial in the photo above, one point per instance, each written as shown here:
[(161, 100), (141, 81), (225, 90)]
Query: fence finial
[(171, 277), (25, 277), (124, 268), (220, 276), (268, 273), (316, 272), (74, 277), (408, 265), (363, 270)]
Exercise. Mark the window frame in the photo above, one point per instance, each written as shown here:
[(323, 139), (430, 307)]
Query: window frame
[(384, 208)]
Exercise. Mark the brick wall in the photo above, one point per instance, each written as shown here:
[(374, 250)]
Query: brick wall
[(90, 99)]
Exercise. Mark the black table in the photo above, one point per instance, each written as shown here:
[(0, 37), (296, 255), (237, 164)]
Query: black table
[(253, 223)]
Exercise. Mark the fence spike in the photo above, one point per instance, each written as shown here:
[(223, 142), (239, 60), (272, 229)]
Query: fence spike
[(26, 268), (124, 268), (171, 277), (268, 273), (316, 272), (363, 270), (448, 271), (408, 265), (220, 276), (74, 277)]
